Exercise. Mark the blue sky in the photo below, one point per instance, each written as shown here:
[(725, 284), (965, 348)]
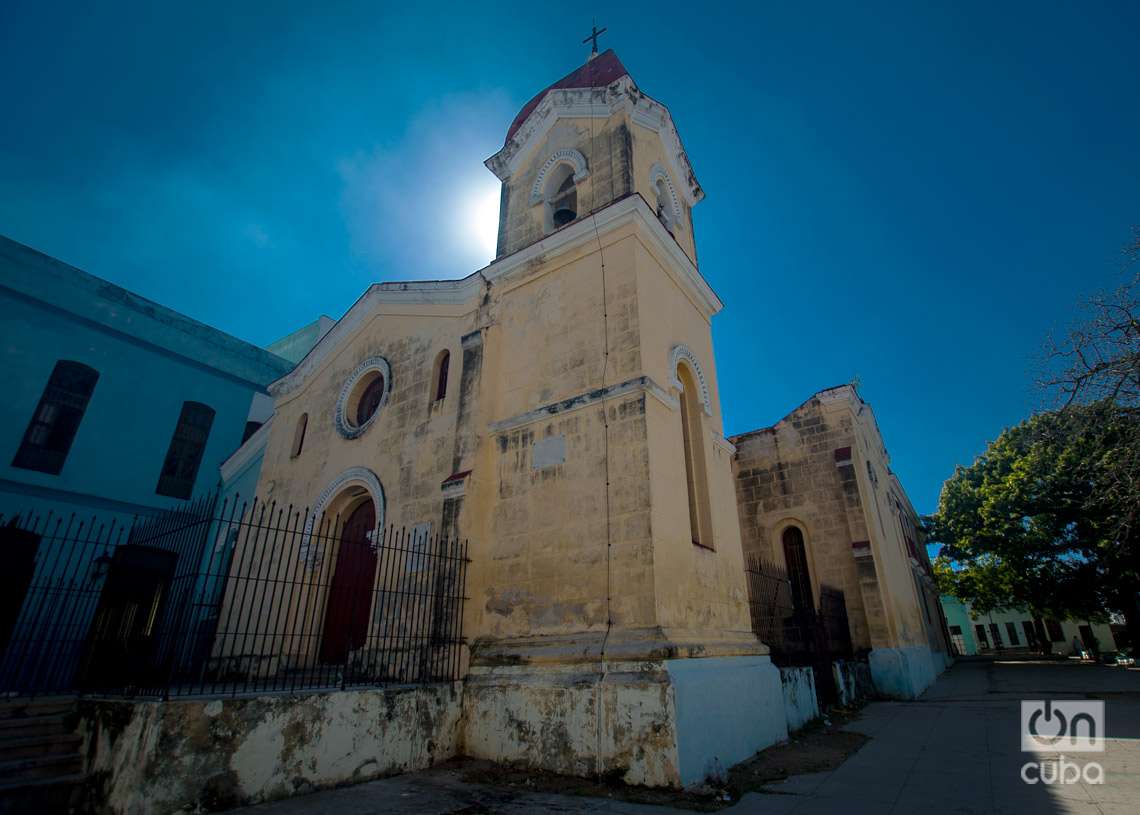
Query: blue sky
[(910, 193)]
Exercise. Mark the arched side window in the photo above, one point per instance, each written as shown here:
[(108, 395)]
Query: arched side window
[(299, 435), (696, 477), (439, 374), (187, 446), (667, 204), (48, 437), (799, 576)]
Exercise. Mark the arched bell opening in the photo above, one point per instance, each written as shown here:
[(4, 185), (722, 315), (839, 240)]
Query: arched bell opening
[(561, 198)]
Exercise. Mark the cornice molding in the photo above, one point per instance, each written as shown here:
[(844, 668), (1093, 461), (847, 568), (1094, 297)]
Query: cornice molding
[(641, 384), (631, 209), (251, 448), (598, 103), (416, 292)]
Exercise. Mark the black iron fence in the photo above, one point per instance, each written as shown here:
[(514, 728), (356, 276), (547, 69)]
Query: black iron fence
[(225, 597), (798, 634)]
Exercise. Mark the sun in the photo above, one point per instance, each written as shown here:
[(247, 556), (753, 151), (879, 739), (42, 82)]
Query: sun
[(482, 224)]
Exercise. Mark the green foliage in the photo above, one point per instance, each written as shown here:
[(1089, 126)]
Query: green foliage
[(1046, 518)]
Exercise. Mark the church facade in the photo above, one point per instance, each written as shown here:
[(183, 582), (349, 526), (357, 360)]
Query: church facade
[(558, 409)]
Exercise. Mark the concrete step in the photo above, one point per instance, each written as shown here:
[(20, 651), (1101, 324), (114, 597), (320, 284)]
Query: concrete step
[(44, 795), (32, 726), (20, 771), (43, 706), (54, 744)]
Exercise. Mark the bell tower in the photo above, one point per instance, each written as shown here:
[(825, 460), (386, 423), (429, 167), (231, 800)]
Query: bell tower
[(611, 629), (590, 139)]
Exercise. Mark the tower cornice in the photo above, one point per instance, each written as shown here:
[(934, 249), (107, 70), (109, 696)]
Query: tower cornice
[(621, 95)]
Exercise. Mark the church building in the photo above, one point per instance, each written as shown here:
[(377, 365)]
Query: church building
[(559, 409), (817, 497)]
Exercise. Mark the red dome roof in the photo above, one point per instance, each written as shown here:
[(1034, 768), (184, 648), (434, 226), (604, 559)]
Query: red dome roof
[(597, 73)]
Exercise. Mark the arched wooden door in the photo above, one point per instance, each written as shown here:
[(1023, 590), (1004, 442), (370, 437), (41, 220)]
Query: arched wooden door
[(350, 592)]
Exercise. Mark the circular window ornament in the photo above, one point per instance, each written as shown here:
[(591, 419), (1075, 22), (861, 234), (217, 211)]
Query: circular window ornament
[(363, 394)]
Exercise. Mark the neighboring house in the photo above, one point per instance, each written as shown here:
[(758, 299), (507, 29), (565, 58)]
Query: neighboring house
[(1012, 630), (295, 346), (115, 404), (240, 471), (818, 499), (114, 407)]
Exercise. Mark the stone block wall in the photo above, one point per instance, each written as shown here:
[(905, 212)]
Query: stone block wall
[(801, 472)]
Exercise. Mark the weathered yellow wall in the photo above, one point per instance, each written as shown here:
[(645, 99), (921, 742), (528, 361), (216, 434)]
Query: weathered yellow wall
[(545, 561), (789, 474), (697, 589), (410, 444)]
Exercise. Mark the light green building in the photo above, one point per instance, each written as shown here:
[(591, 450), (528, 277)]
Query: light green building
[(1013, 629)]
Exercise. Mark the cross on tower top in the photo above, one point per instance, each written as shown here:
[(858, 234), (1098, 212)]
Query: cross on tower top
[(594, 34)]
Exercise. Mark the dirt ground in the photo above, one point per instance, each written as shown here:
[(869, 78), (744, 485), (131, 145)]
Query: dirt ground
[(822, 745)]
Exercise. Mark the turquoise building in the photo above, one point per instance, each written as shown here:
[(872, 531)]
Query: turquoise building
[(113, 403), (115, 407)]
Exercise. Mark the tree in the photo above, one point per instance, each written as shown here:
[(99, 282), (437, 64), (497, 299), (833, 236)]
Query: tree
[(1100, 357), (1048, 517), (1043, 519)]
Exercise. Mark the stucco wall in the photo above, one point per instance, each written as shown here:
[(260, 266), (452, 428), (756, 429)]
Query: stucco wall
[(852, 681), (150, 758), (960, 614), (904, 673), (800, 702), (150, 360)]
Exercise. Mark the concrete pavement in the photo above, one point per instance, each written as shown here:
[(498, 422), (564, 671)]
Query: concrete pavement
[(956, 750)]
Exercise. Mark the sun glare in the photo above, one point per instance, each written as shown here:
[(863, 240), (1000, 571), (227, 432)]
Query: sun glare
[(482, 226)]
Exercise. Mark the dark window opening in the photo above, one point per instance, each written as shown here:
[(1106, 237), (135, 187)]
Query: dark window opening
[(980, 632), (1030, 633), (55, 422), (370, 400), (441, 377), (187, 446), (996, 633), (1011, 630), (1054, 629), (299, 434), (250, 429)]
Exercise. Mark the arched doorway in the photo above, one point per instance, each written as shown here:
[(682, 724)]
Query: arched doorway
[(350, 590), (795, 557)]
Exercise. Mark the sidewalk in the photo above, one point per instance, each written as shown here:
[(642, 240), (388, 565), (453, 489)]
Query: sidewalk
[(958, 748)]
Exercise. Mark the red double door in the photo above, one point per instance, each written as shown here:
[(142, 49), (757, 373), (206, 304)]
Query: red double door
[(350, 592)]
